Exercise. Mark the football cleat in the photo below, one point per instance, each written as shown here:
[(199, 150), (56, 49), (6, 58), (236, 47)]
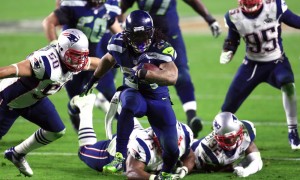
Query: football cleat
[(166, 176), (116, 166), (196, 126), (294, 139), (19, 161)]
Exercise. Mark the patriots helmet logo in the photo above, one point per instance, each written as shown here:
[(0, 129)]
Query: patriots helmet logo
[(216, 125), (72, 38)]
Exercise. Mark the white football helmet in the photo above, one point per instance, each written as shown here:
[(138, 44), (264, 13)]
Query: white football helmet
[(228, 130), (73, 49)]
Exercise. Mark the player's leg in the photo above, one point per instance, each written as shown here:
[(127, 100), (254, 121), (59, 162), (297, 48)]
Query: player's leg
[(244, 82), (43, 114), (184, 86), (91, 152), (284, 80), (73, 88), (133, 105), (7, 118), (163, 121)]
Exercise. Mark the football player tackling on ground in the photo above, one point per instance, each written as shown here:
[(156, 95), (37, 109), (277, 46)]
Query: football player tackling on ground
[(258, 22), (144, 159), (229, 147)]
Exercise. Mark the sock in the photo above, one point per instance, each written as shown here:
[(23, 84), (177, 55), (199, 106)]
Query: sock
[(38, 139), (86, 133), (290, 106)]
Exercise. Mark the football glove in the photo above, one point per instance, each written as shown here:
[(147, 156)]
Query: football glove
[(215, 29), (240, 171), (182, 171), (226, 57), (88, 88)]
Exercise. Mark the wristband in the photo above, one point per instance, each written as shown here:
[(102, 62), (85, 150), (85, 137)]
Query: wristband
[(17, 69), (142, 73)]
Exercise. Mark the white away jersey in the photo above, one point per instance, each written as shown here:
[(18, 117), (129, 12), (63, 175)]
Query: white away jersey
[(261, 34), (143, 146), (207, 150), (48, 78)]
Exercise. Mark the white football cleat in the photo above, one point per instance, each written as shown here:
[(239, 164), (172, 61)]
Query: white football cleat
[(83, 102), (19, 161)]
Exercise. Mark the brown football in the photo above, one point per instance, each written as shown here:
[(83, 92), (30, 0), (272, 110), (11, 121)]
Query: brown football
[(151, 67)]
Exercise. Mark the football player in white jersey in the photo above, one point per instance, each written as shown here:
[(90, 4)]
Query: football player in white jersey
[(229, 147), (258, 22), (144, 150), (25, 86)]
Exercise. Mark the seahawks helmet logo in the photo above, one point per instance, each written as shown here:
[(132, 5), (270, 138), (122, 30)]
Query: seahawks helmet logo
[(72, 38)]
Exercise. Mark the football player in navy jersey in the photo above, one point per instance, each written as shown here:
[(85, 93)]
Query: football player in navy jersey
[(229, 147), (144, 160), (165, 17), (94, 18), (145, 92), (258, 22), (24, 88)]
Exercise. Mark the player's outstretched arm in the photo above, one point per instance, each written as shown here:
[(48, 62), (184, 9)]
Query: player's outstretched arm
[(20, 69), (251, 164)]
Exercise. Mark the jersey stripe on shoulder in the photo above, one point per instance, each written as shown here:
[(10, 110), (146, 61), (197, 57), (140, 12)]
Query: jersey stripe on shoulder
[(47, 74), (249, 129), (146, 149), (228, 21)]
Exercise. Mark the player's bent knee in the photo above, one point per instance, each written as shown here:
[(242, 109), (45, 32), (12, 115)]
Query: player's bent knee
[(289, 89), (55, 135)]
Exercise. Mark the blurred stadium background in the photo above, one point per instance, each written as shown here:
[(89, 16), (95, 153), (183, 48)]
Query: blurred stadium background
[(21, 33)]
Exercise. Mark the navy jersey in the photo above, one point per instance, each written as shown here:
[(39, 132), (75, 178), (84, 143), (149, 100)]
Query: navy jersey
[(157, 54), (93, 22), (163, 12)]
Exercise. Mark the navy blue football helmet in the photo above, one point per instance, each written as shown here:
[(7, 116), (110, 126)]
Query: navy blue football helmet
[(139, 30)]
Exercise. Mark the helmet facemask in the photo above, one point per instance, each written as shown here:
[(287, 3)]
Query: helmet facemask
[(75, 60), (250, 6), (231, 140), (140, 40)]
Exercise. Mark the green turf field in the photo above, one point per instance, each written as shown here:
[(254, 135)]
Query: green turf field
[(264, 107)]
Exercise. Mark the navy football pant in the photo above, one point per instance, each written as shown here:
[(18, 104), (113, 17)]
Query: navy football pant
[(250, 74)]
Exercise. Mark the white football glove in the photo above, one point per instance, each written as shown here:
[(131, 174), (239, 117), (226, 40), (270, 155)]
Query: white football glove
[(215, 29), (226, 57), (240, 171), (182, 171)]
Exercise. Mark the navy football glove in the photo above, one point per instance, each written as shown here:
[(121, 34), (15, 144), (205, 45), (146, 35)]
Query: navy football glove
[(88, 88)]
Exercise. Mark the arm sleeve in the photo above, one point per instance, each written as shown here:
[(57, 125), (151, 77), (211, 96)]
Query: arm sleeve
[(291, 19)]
